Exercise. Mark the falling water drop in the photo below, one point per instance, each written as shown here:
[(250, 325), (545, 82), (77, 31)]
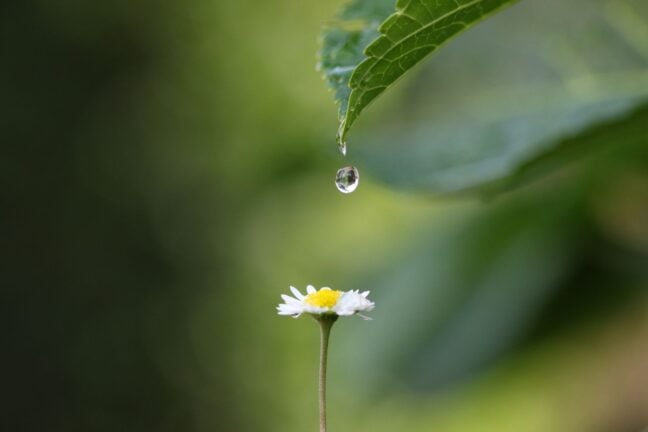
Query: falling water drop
[(346, 179)]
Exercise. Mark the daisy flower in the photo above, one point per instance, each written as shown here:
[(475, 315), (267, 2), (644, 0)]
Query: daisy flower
[(325, 302), (326, 306)]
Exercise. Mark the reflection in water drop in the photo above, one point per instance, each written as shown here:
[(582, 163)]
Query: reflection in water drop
[(347, 179)]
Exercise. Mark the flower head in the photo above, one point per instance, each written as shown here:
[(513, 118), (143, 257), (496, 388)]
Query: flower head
[(325, 302)]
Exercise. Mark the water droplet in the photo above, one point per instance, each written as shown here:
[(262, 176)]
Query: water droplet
[(341, 143), (342, 147), (346, 179)]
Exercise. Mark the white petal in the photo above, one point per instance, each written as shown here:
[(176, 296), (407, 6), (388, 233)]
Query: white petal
[(288, 310), (287, 298), (345, 312), (310, 289), (314, 309), (352, 302), (297, 293)]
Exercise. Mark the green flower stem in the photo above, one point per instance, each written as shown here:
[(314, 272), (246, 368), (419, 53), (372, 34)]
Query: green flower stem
[(325, 322)]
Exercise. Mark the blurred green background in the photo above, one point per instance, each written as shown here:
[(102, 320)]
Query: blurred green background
[(167, 172)]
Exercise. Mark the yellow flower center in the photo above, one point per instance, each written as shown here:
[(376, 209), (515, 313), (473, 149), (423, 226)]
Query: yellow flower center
[(324, 298)]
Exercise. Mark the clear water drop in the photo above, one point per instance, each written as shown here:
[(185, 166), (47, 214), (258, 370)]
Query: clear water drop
[(341, 143), (342, 147), (346, 179)]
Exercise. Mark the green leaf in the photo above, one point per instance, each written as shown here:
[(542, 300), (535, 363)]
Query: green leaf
[(604, 150), (370, 47), (475, 116)]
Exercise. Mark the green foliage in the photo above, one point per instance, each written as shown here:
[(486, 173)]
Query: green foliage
[(527, 88), (361, 60)]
